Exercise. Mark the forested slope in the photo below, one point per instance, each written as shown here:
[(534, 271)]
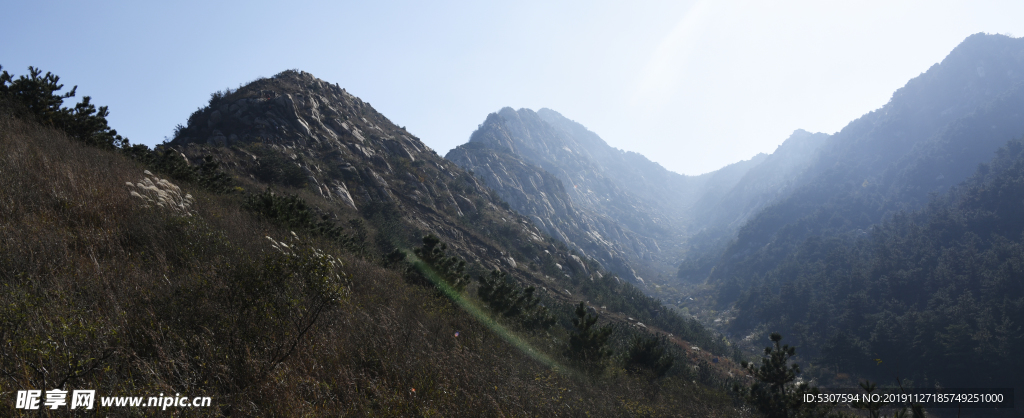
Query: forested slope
[(936, 294)]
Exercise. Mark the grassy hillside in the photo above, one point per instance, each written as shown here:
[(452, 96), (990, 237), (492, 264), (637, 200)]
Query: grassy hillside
[(117, 280)]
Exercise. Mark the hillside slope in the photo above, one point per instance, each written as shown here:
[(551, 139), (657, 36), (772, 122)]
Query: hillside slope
[(293, 302)]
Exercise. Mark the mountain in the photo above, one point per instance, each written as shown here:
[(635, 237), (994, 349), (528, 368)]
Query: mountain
[(293, 252), (936, 294), (772, 176), (931, 135), (383, 190), (296, 130), (894, 251), (630, 214), (615, 206), (544, 197)]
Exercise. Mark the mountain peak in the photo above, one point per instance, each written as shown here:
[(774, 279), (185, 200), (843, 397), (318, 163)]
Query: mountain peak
[(292, 107)]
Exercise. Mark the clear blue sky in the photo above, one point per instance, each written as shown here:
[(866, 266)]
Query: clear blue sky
[(693, 85)]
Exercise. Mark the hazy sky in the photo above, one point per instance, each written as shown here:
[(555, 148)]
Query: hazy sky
[(692, 85)]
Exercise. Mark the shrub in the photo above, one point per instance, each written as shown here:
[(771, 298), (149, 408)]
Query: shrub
[(648, 353)]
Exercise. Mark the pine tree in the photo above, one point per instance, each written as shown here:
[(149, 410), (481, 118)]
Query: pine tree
[(451, 269), (774, 394), (588, 343), (39, 94)]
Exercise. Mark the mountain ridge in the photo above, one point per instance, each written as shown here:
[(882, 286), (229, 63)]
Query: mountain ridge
[(852, 171)]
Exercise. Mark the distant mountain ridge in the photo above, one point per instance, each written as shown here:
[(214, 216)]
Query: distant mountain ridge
[(930, 136), (617, 204), (543, 197), (902, 241), (628, 212), (297, 130)]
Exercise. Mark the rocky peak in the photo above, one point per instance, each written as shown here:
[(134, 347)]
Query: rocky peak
[(295, 108), (300, 130)]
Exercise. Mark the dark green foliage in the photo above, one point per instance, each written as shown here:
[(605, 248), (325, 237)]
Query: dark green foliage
[(619, 296), (930, 136), (451, 269), (288, 211), (774, 392), (508, 299), (843, 353), (587, 342), (647, 352), (40, 96)]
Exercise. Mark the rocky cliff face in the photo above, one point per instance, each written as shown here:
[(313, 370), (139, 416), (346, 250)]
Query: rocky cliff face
[(661, 193), (605, 203), (542, 197)]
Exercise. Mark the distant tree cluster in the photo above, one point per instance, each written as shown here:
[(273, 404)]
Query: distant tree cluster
[(510, 300), (588, 343), (37, 96)]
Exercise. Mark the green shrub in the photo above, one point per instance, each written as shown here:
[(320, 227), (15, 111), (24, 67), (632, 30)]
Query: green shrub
[(648, 353)]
